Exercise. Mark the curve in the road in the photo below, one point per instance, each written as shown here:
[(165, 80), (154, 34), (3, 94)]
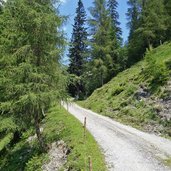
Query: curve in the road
[(125, 148)]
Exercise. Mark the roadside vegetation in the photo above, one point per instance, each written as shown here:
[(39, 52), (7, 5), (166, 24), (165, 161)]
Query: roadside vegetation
[(58, 125), (132, 96), (32, 76)]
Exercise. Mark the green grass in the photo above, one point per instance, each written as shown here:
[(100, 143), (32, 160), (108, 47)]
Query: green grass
[(58, 124), (168, 162), (61, 125), (116, 99)]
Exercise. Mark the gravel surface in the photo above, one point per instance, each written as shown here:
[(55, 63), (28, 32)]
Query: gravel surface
[(125, 148), (57, 155)]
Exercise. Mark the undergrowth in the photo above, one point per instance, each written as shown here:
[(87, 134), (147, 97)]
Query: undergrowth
[(58, 124), (117, 99)]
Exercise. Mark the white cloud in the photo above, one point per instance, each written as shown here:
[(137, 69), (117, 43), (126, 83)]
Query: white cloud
[(64, 28), (63, 1)]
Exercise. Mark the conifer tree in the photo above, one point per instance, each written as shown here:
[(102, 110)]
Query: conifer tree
[(115, 34), (133, 15), (100, 43), (112, 8), (167, 4), (148, 26), (30, 45), (153, 22), (136, 45), (78, 49)]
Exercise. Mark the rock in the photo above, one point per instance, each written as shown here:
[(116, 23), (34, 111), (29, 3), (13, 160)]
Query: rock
[(57, 155), (32, 138), (142, 93)]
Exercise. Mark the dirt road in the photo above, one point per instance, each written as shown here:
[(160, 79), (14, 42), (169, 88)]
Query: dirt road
[(125, 148)]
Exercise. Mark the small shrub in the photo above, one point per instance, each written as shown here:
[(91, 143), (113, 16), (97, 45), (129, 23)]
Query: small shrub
[(123, 104), (35, 163), (117, 91), (168, 64), (158, 70)]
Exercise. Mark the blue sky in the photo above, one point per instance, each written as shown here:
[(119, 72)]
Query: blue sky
[(68, 8)]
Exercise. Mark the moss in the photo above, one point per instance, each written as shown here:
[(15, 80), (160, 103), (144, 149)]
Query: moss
[(168, 162)]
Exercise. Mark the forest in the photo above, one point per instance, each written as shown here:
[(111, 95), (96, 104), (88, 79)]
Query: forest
[(97, 52), (33, 79)]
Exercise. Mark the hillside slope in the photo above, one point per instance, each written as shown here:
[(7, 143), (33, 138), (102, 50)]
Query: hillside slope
[(139, 96), (124, 147), (58, 125)]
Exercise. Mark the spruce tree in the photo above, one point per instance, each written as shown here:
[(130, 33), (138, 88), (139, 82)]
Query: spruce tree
[(114, 15), (31, 77), (115, 38), (167, 4), (136, 45), (133, 15), (78, 49), (153, 23), (100, 43), (148, 26)]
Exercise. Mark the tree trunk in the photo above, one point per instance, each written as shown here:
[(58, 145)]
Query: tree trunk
[(102, 79), (38, 133)]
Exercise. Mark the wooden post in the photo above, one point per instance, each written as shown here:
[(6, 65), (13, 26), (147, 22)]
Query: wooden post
[(90, 164), (67, 106), (85, 122)]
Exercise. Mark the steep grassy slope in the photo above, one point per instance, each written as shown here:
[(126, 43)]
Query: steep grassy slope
[(58, 125), (139, 95)]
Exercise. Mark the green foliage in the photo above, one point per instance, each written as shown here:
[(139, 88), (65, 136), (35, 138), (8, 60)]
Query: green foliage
[(133, 15), (153, 24), (106, 56), (114, 15), (31, 44), (167, 4), (78, 51), (58, 125), (7, 124), (35, 163), (17, 157), (168, 162), (5, 141), (117, 99), (117, 91), (149, 26), (7, 130), (158, 68)]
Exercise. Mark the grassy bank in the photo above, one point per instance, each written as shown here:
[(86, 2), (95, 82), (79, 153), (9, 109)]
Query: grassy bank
[(58, 124), (121, 97)]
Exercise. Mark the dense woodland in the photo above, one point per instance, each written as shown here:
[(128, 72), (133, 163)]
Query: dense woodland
[(97, 52), (31, 77), (32, 43)]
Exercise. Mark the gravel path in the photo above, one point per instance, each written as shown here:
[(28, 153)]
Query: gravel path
[(125, 148)]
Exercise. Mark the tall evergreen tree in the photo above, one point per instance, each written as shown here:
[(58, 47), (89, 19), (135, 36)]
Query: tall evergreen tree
[(30, 46), (136, 45), (167, 4), (147, 23), (100, 43), (114, 15), (115, 38), (78, 49), (153, 22), (133, 15)]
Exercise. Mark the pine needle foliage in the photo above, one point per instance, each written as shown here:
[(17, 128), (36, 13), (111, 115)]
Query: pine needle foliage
[(31, 45)]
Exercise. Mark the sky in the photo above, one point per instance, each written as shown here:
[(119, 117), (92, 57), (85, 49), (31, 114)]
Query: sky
[(68, 8)]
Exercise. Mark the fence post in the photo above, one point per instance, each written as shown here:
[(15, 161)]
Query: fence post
[(85, 122), (90, 164)]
